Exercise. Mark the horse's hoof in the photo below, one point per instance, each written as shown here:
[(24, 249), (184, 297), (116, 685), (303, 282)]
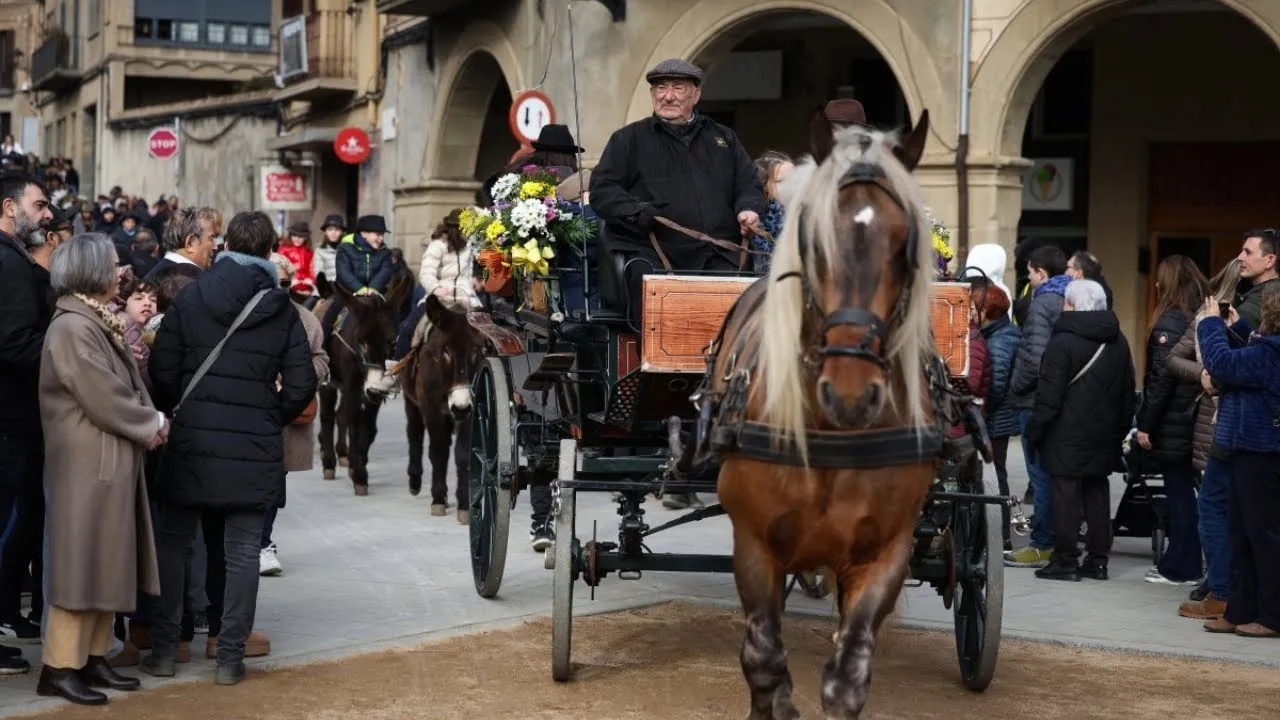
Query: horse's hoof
[(362, 490), (329, 474), (464, 517), (414, 490), (342, 461), (438, 510), (415, 486)]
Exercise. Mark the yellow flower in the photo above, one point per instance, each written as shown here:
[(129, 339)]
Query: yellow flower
[(942, 247), (532, 189), (530, 257), (495, 230)]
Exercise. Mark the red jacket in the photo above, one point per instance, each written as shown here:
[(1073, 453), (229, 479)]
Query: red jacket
[(979, 378), (300, 255)]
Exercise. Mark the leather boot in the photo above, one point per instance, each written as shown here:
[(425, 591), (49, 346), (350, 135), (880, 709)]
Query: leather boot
[(68, 685), (98, 673)]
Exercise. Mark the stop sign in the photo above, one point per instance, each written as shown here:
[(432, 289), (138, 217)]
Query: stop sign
[(162, 143)]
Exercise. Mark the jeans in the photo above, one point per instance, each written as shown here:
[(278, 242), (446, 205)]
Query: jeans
[(233, 541), (404, 337), (1043, 536), (22, 509), (1215, 536), (268, 524), (999, 455), (1255, 537), (1182, 560)]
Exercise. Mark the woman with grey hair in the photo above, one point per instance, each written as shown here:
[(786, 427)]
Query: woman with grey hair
[(98, 423), (1083, 409)]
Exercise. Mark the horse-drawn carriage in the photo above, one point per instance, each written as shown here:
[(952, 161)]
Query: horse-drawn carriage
[(592, 401)]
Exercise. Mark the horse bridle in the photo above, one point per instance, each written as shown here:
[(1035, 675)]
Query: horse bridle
[(866, 174)]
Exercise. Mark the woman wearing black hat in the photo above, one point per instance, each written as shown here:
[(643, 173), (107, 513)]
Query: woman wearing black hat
[(554, 150), (325, 261)]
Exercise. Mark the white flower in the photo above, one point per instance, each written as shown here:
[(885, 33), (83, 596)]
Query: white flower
[(505, 187), (528, 215)]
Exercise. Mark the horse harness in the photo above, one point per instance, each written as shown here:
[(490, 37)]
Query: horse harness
[(723, 427)]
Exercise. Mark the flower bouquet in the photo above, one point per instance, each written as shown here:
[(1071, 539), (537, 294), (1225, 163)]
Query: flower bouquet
[(520, 234), (942, 252)]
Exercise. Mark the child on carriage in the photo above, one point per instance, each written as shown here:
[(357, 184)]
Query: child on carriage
[(296, 246), (446, 272), (325, 261), (363, 266)]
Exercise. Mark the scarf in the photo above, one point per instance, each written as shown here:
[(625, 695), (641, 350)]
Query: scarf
[(114, 323), (262, 264)]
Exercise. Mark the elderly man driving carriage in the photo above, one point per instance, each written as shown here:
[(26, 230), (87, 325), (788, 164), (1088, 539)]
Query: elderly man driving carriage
[(683, 168)]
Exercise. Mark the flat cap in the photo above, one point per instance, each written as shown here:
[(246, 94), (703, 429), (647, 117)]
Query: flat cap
[(674, 68), (845, 111)]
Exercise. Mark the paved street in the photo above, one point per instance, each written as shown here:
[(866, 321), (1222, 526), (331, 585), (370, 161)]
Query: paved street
[(369, 573)]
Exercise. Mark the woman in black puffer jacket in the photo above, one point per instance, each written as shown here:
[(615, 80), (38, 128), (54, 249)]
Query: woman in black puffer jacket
[(1166, 420)]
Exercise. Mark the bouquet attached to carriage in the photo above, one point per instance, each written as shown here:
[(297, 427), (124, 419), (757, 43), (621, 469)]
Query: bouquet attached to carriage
[(522, 233)]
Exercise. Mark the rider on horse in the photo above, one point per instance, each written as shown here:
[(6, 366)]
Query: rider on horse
[(364, 266), (682, 167), (446, 272)]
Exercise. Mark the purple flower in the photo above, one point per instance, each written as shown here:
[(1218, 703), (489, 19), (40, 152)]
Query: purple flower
[(551, 213), (529, 169)]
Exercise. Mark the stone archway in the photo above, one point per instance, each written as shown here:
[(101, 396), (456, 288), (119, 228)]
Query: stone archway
[(711, 25), (1015, 65), (484, 64)]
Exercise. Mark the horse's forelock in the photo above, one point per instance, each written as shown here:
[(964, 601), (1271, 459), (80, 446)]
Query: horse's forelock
[(812, 195)]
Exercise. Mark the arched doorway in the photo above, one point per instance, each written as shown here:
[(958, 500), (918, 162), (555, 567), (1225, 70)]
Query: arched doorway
[(474, 138), (765, 75), (1145, 124)]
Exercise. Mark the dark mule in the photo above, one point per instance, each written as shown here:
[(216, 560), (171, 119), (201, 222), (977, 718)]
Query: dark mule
[(827, 377), (328, 396), (358, 350), (437, 398)]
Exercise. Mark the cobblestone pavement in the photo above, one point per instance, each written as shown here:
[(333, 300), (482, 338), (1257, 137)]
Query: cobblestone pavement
[(368, 573)]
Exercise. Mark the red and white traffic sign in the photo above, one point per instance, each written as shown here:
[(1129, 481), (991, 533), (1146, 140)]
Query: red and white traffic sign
[(531, 111), (162, 143), (352, 145)]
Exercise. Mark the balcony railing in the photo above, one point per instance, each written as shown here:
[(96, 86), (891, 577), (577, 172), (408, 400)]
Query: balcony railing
[(325, 63), (52, 68)]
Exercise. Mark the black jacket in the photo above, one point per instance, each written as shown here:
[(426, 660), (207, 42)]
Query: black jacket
[(226, 448), (1168, 406), (1078, 428), (698, 176), (25, 312)]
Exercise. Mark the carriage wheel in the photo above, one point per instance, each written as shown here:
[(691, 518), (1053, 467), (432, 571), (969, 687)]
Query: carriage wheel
[(979, 601), (491, 455), (566, 572)]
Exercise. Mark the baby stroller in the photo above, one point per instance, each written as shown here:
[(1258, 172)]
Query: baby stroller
[(1144, 508)]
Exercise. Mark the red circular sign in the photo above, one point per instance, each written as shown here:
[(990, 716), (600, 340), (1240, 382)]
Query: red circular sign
[(351, 146), (162, 143)]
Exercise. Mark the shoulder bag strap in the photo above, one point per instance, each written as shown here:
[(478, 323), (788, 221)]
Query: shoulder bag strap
[(217, 349), (1097, 354)]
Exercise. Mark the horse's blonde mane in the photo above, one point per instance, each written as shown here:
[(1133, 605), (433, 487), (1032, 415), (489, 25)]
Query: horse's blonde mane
[(810, 194)]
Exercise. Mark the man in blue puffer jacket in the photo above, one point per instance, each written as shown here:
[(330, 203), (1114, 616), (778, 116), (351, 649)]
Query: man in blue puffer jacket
[(1047, 267), (1249, 427)]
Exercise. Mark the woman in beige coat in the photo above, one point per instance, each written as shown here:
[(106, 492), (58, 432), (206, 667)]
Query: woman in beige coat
[(98, 423), (299, 438)]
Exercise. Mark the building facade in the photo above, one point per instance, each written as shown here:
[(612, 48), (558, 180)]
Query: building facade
[(1132, 128), (20, 23), (332, 75), (107, 72)]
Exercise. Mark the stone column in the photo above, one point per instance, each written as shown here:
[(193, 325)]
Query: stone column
[(995, 202), (420, 208)]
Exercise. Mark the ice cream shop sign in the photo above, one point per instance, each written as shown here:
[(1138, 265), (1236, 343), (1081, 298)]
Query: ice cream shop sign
[(1049, 184)]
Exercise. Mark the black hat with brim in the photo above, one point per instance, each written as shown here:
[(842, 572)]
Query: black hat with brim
[(372, 223), (334, 221), (556, 138)]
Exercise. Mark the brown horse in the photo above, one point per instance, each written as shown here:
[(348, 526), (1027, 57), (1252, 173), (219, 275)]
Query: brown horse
[(826, 379), (437, 400), (358, 350)]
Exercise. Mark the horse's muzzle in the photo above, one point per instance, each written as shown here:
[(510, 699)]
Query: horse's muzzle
[(460, 400), (856, 415)]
